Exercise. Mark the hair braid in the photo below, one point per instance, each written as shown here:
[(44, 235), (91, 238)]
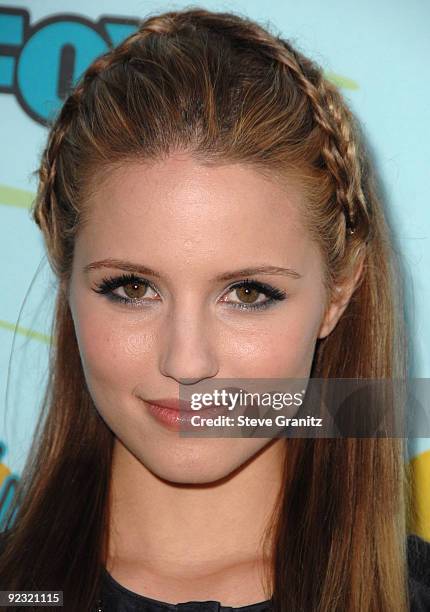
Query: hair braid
[(341, 153), (46, 208)]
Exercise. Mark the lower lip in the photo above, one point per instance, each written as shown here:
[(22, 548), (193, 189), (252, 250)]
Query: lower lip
[(180, 420)]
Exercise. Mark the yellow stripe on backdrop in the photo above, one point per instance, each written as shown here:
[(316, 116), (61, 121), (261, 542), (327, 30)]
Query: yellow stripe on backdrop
[(419, 519), (4, 472), (11, 196)]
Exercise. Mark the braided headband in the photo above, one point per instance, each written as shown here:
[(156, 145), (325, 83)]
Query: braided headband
[(333, 118)]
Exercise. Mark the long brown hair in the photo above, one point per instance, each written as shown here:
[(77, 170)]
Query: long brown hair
[(225, 90)]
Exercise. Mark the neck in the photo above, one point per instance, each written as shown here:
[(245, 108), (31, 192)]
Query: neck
[(218, 526)]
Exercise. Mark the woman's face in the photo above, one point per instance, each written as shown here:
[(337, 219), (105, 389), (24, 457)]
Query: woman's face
[(191, 225)]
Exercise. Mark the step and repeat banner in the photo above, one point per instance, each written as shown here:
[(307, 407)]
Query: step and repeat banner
[(376, 52)]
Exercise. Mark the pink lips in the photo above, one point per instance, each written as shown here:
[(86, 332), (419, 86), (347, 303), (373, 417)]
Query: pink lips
[(172, 403), (175, 414)]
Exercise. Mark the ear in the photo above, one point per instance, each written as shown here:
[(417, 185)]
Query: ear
[(341, 296)]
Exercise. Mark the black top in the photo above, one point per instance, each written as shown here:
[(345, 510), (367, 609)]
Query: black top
[(117, 598), (419, 573)]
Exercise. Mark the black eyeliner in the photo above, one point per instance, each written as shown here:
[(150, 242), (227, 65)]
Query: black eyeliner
[(109, 284)]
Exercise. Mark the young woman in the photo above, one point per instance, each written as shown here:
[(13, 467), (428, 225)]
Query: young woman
[(210, 211)]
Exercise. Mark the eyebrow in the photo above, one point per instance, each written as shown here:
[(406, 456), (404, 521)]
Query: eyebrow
[(144, 270)]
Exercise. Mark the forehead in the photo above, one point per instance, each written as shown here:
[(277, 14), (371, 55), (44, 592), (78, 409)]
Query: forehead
[(179, 205), (180, 189)]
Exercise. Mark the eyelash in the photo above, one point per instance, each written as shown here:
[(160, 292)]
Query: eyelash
[(109, 284)]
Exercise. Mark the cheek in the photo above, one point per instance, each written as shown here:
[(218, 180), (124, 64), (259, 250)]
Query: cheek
[(115, 357), (278, 347)]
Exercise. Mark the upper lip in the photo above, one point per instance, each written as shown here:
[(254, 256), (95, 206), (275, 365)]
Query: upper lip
[(173, 403)]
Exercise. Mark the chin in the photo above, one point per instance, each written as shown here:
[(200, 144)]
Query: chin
[(195, 467)]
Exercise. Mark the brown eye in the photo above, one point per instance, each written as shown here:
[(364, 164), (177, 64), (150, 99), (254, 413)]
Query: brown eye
[(135, 290), (247, 294)]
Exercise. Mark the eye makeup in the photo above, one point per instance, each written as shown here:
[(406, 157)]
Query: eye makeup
[(109, 285)]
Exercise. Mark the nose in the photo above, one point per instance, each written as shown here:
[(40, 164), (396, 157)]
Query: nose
[(188, 352)]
